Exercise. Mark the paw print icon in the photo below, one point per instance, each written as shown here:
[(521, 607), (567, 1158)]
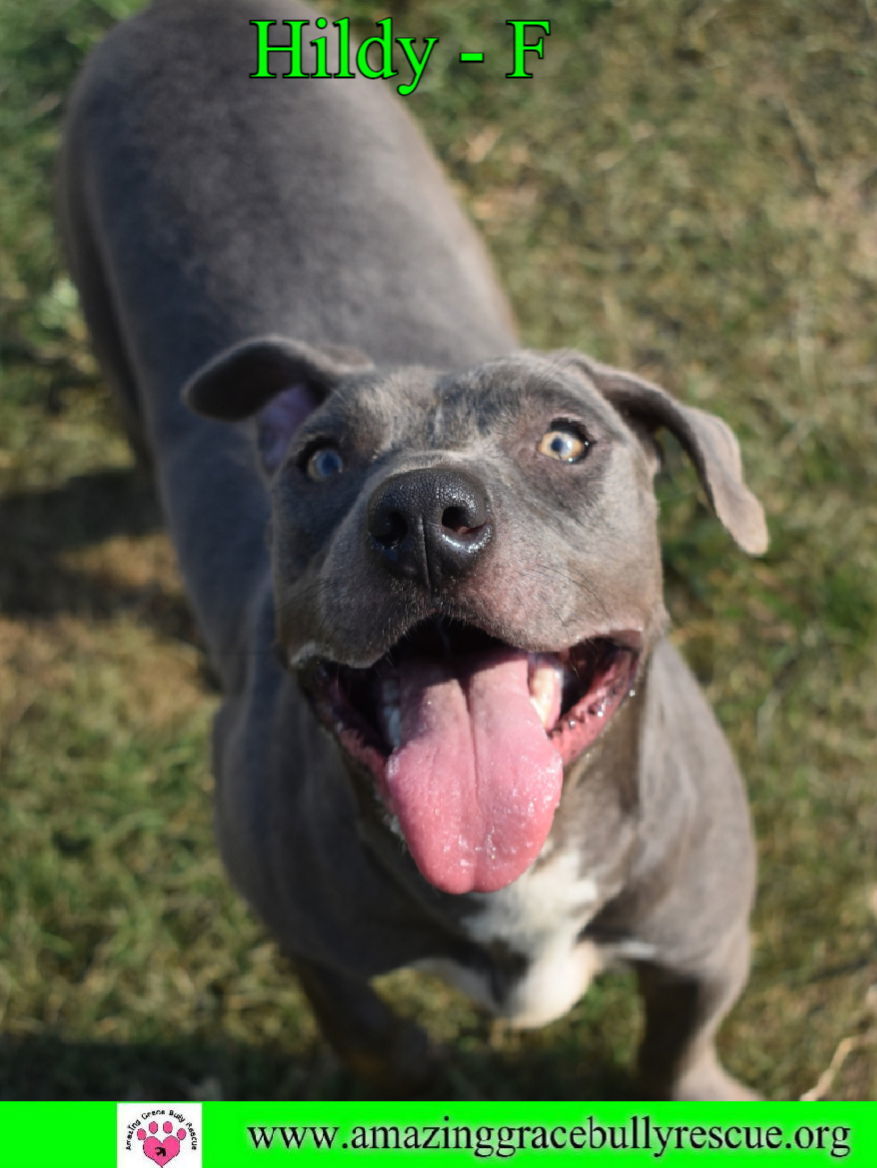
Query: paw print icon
[(161, 1151)]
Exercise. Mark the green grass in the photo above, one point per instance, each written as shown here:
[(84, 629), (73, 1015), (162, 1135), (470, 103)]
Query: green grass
[(687, 188)]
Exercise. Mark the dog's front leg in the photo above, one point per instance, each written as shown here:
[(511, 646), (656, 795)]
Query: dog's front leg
[(392, 1056), (683, 1011)]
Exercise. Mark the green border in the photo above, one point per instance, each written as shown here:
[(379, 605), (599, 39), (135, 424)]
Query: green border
[(62, 1134)]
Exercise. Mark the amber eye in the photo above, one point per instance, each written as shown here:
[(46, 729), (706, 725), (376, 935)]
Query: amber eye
[(324, 463), (565, 441)]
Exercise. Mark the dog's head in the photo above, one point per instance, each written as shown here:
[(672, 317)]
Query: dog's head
[(467, 571)]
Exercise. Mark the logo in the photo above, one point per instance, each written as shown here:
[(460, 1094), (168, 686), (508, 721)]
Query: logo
[(159, 1133)]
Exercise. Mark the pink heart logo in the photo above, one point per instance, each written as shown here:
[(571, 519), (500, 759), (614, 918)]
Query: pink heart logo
[(161, 1151)]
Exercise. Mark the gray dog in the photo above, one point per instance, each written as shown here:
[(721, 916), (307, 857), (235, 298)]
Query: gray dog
[(453, 735)]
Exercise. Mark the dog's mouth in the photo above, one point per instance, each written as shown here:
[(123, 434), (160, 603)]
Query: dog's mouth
[(467, 738)]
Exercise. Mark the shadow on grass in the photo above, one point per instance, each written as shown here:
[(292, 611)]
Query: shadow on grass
[(49, 1067), (53, 1068), (38, 527), (86, 509)]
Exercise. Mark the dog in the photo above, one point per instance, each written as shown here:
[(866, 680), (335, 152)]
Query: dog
[(453, 735)]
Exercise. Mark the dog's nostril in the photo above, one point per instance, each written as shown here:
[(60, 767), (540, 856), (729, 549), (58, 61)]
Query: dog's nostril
[(458, 520), (391, 529)]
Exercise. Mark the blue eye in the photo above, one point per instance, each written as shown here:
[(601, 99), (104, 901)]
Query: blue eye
[(565, 442), (324, 463)]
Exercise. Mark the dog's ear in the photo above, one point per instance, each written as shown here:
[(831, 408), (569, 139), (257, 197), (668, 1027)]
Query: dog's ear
[(274, 379), (708, 441)]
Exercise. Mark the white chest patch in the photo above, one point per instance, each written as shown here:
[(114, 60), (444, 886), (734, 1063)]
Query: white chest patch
[(539, 916)]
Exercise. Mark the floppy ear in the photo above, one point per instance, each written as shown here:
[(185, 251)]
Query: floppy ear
[(707, 440), (277, 380)]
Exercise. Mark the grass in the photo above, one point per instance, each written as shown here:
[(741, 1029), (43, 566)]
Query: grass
[(687, 188)]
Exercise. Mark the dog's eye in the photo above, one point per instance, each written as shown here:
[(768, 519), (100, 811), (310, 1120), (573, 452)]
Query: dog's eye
[(323, 463), (565, 441)]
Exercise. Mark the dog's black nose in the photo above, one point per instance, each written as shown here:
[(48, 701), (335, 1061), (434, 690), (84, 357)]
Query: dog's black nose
[(430, 525)]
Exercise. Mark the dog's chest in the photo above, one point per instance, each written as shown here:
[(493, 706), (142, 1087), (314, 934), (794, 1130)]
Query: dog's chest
[(529, 934)]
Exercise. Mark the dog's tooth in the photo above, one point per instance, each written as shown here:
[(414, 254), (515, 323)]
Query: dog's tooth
[(543, 713), (546, 685)]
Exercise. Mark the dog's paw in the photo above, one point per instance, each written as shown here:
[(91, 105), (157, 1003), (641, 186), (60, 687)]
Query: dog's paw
[(406, 1065), (704, 1081), (712, 1085)]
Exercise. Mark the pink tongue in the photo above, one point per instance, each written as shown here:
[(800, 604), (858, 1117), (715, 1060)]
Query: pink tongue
[(476, 780)]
